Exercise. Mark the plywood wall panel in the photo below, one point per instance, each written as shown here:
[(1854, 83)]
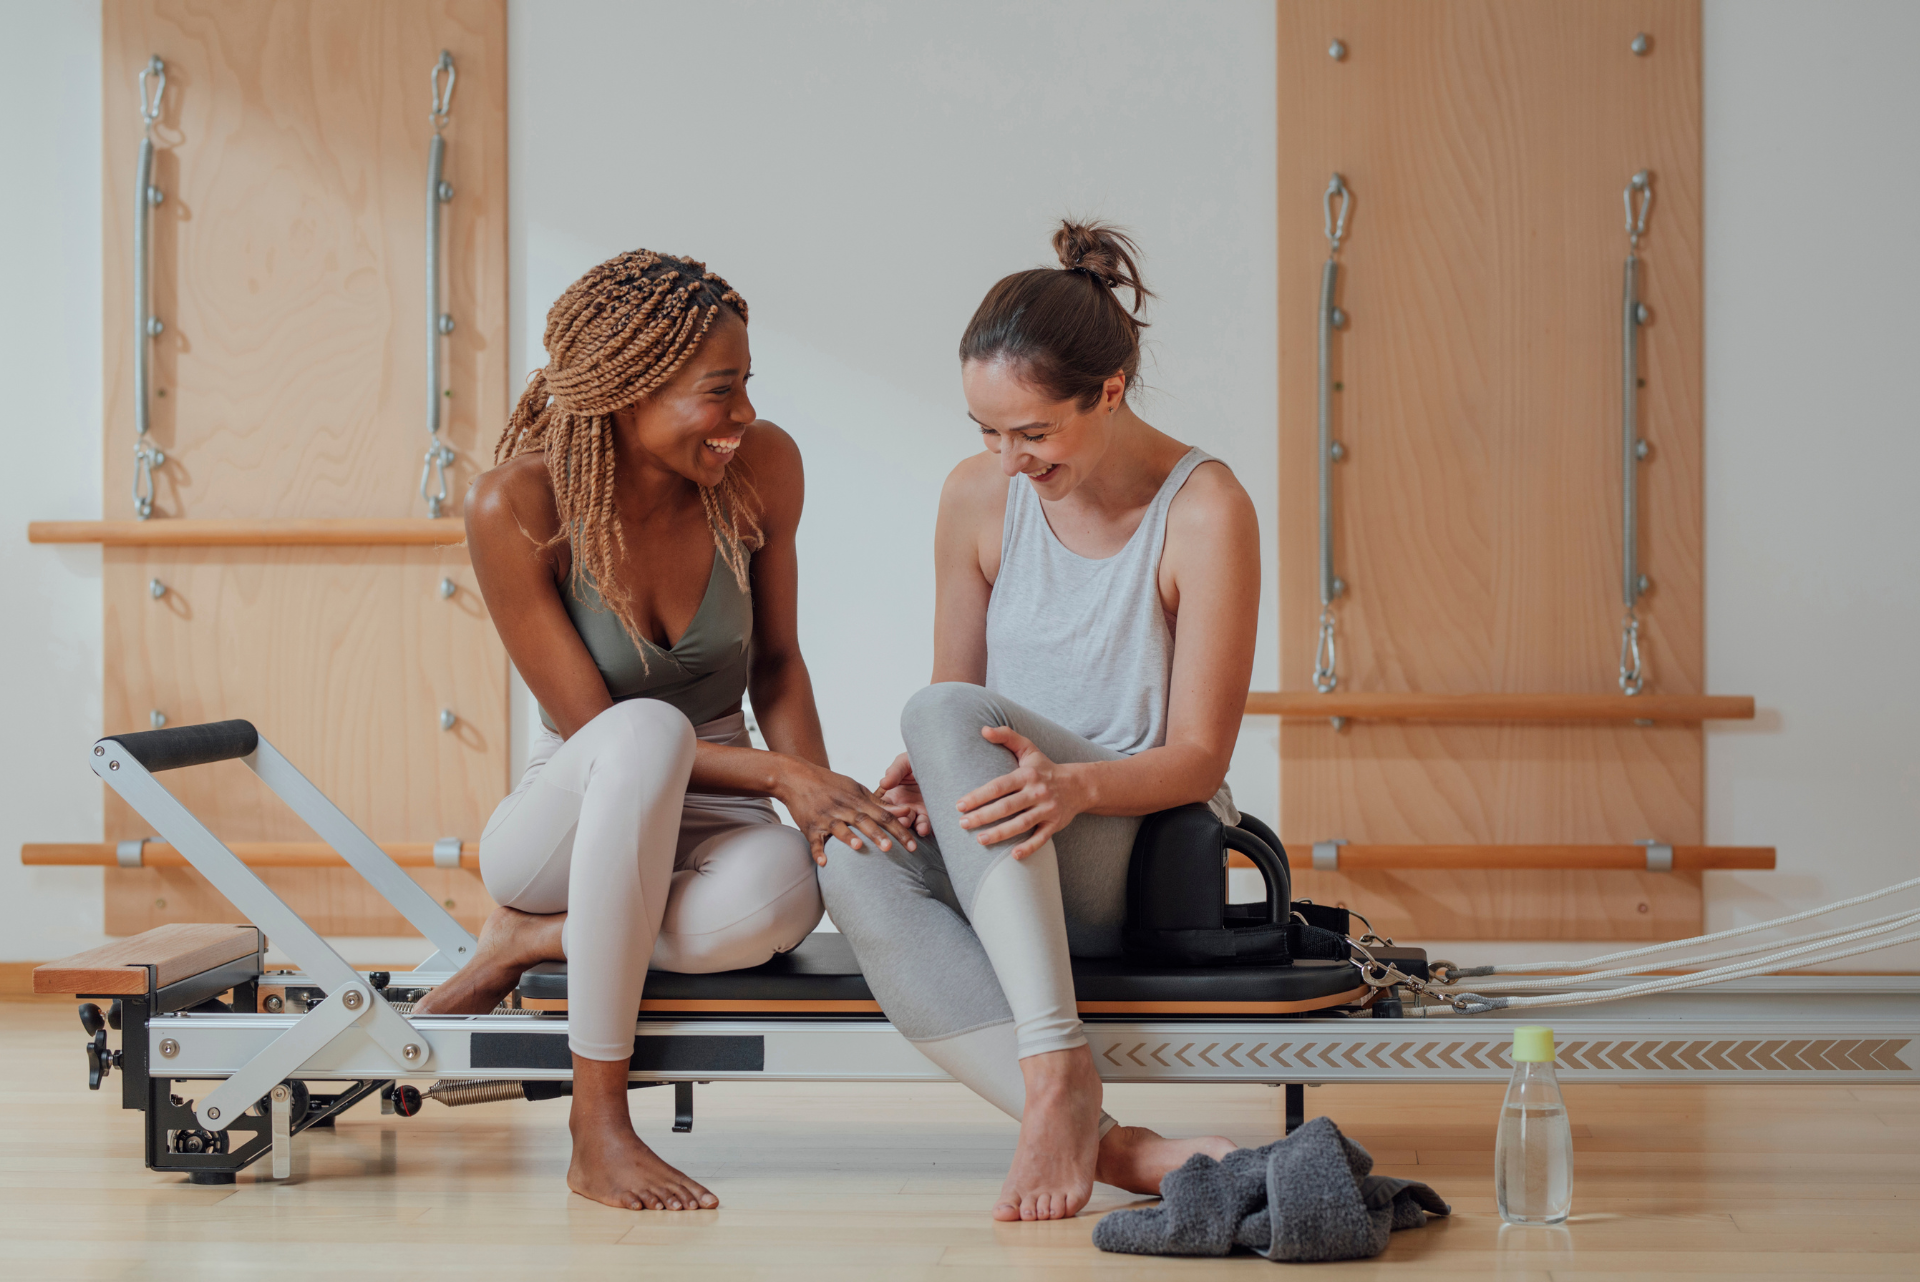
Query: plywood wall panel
[(289, 255), (139, 899), (290, 381), (342, 657), (1477, 516)]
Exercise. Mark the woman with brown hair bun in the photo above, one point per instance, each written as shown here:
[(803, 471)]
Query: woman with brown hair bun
[(641, 585), (1067, 556)]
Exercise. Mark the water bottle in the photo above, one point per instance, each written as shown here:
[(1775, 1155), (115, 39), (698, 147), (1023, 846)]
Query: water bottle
[(1533, 1155)]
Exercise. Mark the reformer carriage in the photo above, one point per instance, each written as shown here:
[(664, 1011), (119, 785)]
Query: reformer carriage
[(229, 1061)]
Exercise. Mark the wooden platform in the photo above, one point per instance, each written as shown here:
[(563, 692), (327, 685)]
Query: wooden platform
[(862, 1181), (171, 952)]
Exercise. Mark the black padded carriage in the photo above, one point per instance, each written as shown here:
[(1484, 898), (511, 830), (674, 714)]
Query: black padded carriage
[(822, 977)]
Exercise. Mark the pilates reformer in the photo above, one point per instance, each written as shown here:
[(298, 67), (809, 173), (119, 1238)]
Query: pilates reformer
[(225, 1083)]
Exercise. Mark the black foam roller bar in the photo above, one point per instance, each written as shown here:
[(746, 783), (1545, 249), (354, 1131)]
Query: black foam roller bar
[(178, 746)]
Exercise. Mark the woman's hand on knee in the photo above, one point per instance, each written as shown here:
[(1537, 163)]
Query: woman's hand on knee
[(826, 805), (901, 791), (1040, 797)]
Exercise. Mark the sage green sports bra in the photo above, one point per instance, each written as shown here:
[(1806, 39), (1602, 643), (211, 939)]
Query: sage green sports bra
[(704, 674)]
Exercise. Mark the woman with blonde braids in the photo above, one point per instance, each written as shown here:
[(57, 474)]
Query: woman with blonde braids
[(642, 585)]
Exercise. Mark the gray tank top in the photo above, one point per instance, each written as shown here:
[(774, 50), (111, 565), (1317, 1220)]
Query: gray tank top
[(705, 672), (1085, 642)]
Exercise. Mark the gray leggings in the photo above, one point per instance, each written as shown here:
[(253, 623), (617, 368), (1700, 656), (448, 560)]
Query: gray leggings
[(968, 950)]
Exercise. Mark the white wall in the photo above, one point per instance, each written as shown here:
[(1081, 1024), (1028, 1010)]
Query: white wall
[(863, 172), (1813, 446), (49, 468)]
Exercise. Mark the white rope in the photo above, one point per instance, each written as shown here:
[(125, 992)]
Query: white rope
[(1510, 968), (1741, 970), (1911, 917)]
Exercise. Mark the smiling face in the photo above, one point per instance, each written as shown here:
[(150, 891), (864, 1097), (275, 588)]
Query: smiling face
[(695, 422), (1056, 443)]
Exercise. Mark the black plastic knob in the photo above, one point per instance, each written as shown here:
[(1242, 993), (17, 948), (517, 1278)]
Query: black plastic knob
[(113, 1015), (91, 1019), (406, 1100), (99, 1059), (379, 979)]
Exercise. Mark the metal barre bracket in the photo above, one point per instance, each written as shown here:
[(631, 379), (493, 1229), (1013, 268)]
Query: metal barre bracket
[(1326, 855)]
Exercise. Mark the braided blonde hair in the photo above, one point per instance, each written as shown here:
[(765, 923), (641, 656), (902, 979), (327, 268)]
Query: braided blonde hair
[(619, 334)]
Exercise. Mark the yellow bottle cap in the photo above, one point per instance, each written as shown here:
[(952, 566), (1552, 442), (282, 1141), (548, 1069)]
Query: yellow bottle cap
[(1532, 1044)]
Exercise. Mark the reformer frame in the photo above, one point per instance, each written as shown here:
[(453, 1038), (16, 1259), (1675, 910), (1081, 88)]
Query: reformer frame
[(336, 1039)]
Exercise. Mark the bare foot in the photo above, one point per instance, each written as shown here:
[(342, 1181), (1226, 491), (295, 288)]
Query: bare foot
[(620, 1170), (510, 942), (1136, 1159), (1052, 1175)]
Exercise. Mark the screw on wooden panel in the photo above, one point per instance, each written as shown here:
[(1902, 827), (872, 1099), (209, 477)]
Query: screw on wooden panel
[(1641, 44), (160, 903), (169, 1048), (1337, 50), (448, 903), (447, 719), (156, 589), (156, 718), (447, 588)]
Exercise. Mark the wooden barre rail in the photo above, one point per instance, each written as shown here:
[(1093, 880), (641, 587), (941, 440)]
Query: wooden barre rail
[(1352, 858), (1297, 705), (341, 532), (254, 854), (1359, 858)]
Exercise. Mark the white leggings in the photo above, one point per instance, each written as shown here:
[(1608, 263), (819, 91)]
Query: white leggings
[(602, 828)]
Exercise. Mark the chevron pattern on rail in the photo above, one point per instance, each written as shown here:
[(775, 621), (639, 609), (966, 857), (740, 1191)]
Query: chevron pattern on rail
[(1440, 1055)]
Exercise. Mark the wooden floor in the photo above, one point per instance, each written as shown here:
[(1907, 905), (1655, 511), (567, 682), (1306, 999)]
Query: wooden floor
[(844, 1181)]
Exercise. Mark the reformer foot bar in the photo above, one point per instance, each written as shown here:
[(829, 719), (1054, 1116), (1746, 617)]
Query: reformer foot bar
[(224, 1083)]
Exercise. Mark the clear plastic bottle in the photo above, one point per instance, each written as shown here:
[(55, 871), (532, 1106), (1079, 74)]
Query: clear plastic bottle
[(1533, 1154)]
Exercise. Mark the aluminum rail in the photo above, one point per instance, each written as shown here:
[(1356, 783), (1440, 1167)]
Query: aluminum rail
[(146, 326), (433, 472), (1633, 314)]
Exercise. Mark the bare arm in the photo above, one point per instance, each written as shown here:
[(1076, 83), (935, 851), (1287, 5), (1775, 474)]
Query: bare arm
[(1210, 579), (510, 515), (778, 684), (794, 770), (966, 559)]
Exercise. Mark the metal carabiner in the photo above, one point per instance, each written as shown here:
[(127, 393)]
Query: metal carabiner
[(442, 94), (1336, 228), (1642, 183), (1325, 673), (1632, 679), (146, 457), (439, 457), (150, 110)]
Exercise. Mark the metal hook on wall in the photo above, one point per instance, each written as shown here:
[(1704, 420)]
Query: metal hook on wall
[(1325, 670), (1633, 314), (440, 455), (146, 326)]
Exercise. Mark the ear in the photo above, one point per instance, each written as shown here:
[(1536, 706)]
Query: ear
[(1114, 392)]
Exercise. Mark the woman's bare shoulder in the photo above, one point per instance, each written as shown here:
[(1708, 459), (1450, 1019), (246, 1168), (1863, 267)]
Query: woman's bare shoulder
[(515, 497), (769, 459), (1211, 505), (976, 487)]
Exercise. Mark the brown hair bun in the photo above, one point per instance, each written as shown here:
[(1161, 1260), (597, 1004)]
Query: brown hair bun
[(1104, 252)]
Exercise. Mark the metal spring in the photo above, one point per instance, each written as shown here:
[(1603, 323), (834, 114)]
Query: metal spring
[(457, 1094)]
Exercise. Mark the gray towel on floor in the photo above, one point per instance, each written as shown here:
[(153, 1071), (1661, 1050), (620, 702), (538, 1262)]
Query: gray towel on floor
[(1306, 1197)]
